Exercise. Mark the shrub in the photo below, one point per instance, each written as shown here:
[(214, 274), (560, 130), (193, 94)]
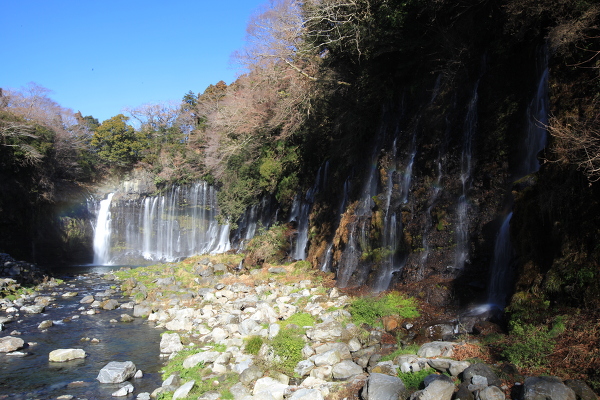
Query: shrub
[(269, 246), (253, 345), (528, 345), (368, 310), (414, 380)]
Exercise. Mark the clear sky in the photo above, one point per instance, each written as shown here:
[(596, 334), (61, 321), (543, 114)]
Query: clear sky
[(99, 56)]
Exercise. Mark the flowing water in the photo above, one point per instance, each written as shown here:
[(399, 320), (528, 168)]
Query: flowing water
[(180, 223), (534, 141), (102, 232), (33, 377)]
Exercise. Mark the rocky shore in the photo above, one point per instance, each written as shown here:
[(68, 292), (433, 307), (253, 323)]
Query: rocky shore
[(282, 334)]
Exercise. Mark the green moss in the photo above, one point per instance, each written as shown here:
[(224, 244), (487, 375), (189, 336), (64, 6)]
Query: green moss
[(287, 346), (411, 349), (300, 319)]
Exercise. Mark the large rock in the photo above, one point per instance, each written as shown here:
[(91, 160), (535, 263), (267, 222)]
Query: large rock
[(492, 393), (140, 310), (306, 394), (32, 309), (546, 388), (249, 327), (87, 299), (116, 372), (438, 389), (62, 355), (346, 370), (325, 332), (180, 324), (11, 343), (481, 370), (109, 304), (383, 387), (581, 389), (250, 374), (304, 367), (436, 349), (184, 390), (170, 343), (271, 386), (45, 324), (205, 357), (239, 391), (330, 357)]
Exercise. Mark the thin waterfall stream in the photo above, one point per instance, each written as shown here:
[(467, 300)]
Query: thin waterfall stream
[(534, 141)]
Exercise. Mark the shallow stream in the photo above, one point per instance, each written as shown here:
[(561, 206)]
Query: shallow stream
[(32, 376)]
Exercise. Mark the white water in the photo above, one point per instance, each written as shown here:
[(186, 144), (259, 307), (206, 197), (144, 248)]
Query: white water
[(326, 266), (435, 193), (501, 273), (178, 224), (102, 231), (300, 213), (349, 262), (501, 276), (461, 255), (537, 121)]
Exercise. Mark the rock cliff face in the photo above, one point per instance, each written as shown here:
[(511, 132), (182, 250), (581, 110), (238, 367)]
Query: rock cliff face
[(426, 202)]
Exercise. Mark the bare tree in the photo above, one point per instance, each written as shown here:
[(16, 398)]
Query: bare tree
[(577, 142), (156, 116), (33, 105), (14, 134), (299, 33)]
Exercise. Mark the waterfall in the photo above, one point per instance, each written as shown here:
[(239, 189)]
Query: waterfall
[(325, 267), (180, 223), (350, 258), (102, 232), (435, 193), (461, 255), (501, 273), (392, 229), (300, 213), (537, 120), (258, 215)]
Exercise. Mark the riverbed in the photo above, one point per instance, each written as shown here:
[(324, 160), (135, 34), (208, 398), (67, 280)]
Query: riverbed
[(32, 376)]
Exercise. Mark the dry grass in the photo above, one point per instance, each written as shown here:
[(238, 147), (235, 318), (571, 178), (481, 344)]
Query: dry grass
[(467, 351)]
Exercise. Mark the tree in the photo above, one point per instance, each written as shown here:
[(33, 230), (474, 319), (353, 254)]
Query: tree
[(300, 34), (88, 122), (116, 142), (70, 137)]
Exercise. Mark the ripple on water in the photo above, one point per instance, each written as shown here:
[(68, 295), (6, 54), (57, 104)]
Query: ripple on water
[(33, 376)]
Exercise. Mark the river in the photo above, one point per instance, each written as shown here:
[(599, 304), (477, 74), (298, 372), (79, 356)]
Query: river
[(33, 377)]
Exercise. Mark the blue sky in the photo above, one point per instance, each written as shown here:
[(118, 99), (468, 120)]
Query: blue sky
[(99, 56)]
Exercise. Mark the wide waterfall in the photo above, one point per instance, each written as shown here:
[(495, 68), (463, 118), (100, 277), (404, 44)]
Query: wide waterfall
[(180, 223)]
